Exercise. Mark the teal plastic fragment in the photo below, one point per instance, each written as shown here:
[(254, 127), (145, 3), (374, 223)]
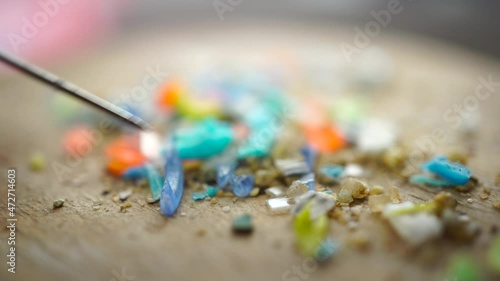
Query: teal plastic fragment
[(199, 196), (243, 224), (155, 181), (424, 179), (264, 125), (211, 191), (332, 171), (204, 140), (259, 144), (326, 250)]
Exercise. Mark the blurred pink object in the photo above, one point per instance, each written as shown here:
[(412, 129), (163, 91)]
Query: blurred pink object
[(47, 30)]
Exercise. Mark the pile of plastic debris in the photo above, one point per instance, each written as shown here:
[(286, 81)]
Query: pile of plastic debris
[(251, 135)]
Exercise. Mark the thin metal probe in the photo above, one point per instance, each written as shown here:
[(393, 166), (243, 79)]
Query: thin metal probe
[(75, 91)]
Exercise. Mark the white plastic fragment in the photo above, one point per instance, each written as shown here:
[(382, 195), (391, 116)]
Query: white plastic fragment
[(414, 228), (276, 191), (278, 205), (291, 167), (321, 203), (376, 135), (150, 144), (353, 170)]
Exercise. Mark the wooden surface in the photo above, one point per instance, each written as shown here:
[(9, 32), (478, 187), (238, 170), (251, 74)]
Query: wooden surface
[(79, 243)]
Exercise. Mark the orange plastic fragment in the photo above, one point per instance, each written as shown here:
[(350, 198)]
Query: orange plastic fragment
[(123, 153), (79, 141), (324, 138), (169, 94)]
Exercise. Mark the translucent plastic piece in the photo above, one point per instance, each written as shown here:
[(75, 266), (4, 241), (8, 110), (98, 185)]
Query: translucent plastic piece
[(173, 186), (155, 181), (278, 205), (242, 185)]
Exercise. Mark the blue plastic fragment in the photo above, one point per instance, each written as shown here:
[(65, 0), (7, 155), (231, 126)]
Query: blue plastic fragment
[(333, 171), (453, 172), (174, 183), (224, 172), (309, 155), (309, 180), (242, 185), (198, 196), (155, 181), (135, 173), (424, 179), (326, 250)]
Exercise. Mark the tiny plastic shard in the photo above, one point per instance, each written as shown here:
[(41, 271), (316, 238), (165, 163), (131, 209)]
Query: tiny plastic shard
[(278, 205), (376, 135), (296, 189), (224, 172), (353, 170), (37, 162), (308, 179), (243, 224), (275, 191), (290, 167), (321, 204), (309, 233), (309, 155), (150, 144), (135, 173), (426, 180), (155, 181), (326, 250), (125, 194), (301, 201), (415, 228), (211, 191), (332, 171), (242, 185), (226, 209), (198, 196), (173, 187), (58, 203)]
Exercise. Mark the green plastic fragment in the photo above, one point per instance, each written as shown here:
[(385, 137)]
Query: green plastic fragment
[(205, 139), (243, 224), (494, 254), (463, 268), (211, 191), (37, 162), (309, 234), (198, 196)]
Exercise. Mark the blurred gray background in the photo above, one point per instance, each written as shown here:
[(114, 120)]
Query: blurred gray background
[(472, 24)]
